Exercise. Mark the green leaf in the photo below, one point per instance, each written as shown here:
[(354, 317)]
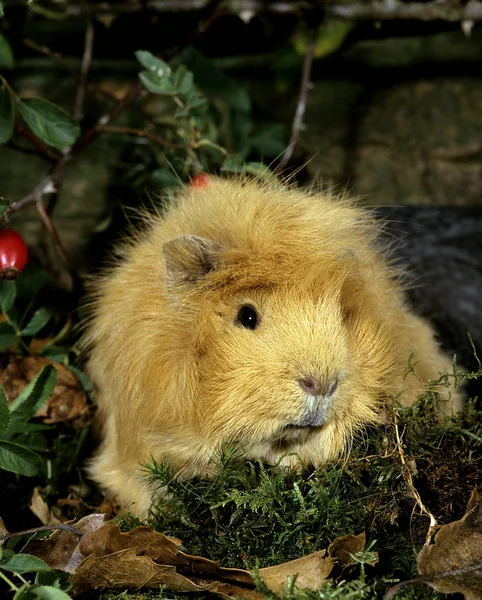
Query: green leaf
[(23, 593), (1, 9), (156, 65), (40, 318), (6, 116), (329, 37), (33, 280), (233, 164), (157, 85), (214, 82), (8, 336), (18, 459), (24, 563), (49, 122), (48, 592), (34, 395), (6, 54), (4, 412), (8, 292)]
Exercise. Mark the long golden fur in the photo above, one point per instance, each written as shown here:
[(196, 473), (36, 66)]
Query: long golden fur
[(179, 377)]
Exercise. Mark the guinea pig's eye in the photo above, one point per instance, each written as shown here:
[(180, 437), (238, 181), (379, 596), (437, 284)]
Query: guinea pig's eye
[(247, 317)]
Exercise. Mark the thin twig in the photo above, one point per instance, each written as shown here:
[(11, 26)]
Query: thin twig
[(44, 215), (141, 133), (64, 526), (105, 119), (302, 101), (46, 51), (407, 473), (84, 71)]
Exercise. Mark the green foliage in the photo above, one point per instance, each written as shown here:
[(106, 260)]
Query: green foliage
[(250, 514), (25, 315), (6, 54), (46, 585), (15, 455), (49, 122), (6, 115)]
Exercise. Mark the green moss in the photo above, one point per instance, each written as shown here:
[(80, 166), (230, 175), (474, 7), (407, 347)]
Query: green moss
[(253, 515)]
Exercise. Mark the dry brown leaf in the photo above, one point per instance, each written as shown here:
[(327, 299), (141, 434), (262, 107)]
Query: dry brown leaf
[(61, 549), (142, 558), (160, 548), (41, 509), (126, 569), (311, 572), (68, 401), (342, 548), (457, 547), (3, 531)]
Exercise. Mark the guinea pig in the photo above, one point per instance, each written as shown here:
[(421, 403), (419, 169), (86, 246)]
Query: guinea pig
[(248, 314)]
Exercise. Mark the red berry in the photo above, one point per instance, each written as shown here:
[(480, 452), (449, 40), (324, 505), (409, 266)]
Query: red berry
[(200, 180), (13, 254)]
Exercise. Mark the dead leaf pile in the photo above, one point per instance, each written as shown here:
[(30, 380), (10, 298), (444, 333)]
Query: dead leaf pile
[(454, 562), (106, 558), (68, 403)]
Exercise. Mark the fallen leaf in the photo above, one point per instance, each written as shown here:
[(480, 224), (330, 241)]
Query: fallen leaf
[(68, 401), (3, 531), (126, 569), (61, 549), (454, 562), (160, 548), (142, 558), (41, 509), (342, 549), (311, 572)]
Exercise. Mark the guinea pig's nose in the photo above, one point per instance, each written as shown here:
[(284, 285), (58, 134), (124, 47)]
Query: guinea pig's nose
[(315, 387)]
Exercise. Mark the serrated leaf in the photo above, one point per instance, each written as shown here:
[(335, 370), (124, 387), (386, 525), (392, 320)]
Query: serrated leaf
[(26, 428), (6, 117), (4, 412), (156, 65), (6, 54), (8, 341), (48, 592), (34, 395), (157, 85), (49, 122), (8, 292), (8, 337), (40, 318), (24, 563), (18, 459)]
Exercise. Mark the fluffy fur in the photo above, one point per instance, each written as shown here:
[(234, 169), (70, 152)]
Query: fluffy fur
[(178, 377)]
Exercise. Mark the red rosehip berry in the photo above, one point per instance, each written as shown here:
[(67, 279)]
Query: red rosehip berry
[(200, 180), (13, 254)]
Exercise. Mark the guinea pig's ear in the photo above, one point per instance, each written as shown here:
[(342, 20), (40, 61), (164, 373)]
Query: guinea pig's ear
[(189, 258)]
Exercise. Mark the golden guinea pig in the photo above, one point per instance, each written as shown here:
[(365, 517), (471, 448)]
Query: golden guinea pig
[(248, 314)]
